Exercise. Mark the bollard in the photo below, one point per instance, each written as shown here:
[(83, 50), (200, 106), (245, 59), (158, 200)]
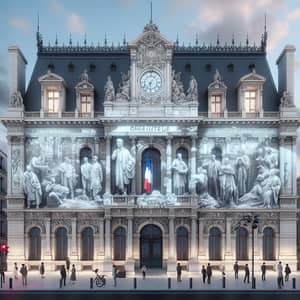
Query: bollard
[(223, 282), (253, 283), (191, 283), (294, 282), (169, 282), (60, 283), (10, 282), (91, 283), (134, 283)]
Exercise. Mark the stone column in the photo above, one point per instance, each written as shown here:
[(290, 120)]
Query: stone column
[(47, 248), (129, 253), (107, 264), (283, 177), (169, 165), (193, 263), (171, 268), (294, 166), (201, 250), (74, 252), (100, 253), (193, 162), (108, 165), (228, 248), (134, 180)]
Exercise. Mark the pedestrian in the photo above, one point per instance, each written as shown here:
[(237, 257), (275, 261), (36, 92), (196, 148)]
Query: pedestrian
[(203, 271), (144, 269), (247, 274), (208, 273), (2, 274), (287, 272), (73, 274), (42, 270), (15, 272), (114, 274), (279, 275), (178, 270), (236, 270), (63, 275), (24, 272), (68, 264), (263, 271)]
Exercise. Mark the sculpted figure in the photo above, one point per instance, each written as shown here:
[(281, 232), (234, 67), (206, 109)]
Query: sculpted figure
[(68, 175), (124, 167), (32, 188), (177, 88), (84, 76), (180, 170), (16, 99), (213, 168), (242, 166), (228, 190), (38, 166), (96, 177), (56, 193), (86, 175), (124, 87), (192, 92), (109, 90)]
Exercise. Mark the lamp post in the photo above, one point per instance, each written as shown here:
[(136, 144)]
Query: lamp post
[(252, 221)]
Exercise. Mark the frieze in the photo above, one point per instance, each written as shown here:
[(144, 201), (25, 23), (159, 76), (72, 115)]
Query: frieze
[(35, 223), (86, 223), (61, 222), (15, 215), (210, 223), (137, 222)]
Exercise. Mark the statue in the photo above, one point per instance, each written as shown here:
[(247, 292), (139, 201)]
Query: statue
[(109, 90), (177, 88), (32, 188), (228, 190), (180, 170), (68, 175), (125, 166), (192, 92), (38, 165), (96, 177), (16, 99), (213, 168), (86, 175), (287, 100), (242, 166), (56, 193), (84, 76), (124, 87), (272, 189), (217, 76)]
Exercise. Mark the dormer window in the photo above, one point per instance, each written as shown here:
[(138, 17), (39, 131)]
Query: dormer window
[(53, 94), (84, 96), (217, 97), (250, 90)]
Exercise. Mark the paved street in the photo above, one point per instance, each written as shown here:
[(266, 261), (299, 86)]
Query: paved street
[(155, 281)]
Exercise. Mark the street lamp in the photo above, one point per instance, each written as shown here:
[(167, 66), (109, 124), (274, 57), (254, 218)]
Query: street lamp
[(252, 221)]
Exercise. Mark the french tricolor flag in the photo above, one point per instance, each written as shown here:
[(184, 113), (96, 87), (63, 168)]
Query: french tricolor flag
[(148, 175)]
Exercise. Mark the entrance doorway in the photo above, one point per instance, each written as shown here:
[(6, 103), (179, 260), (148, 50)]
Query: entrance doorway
[(151, 246)]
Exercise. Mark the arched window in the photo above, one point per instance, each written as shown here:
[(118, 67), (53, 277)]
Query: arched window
[(242, 244), (215, 244), (61, 244), (87, 244), (119, 244), (182, 243), (34, 244), (268, 244)]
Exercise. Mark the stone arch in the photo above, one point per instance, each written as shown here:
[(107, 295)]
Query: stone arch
[(142, 225), (84, 226), (222, 229)]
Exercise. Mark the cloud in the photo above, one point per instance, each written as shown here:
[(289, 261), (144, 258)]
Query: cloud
[(295, 14), (56, 7), (20, 24), (297, 64), (75, 24)]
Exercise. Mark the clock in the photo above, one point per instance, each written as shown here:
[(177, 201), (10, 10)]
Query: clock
[(151, 82)]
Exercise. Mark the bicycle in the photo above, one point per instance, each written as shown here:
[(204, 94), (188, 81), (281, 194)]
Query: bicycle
[(100, 280)]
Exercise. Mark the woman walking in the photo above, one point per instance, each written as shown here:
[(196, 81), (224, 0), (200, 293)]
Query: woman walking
[(16, 271), (73, 275), (42, 270)]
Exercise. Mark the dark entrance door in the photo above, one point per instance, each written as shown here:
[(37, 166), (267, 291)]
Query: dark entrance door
[(151, 246)]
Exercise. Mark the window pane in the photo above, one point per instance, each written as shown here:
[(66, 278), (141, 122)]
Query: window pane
[(182, 243), (53, 101), (214, 244)]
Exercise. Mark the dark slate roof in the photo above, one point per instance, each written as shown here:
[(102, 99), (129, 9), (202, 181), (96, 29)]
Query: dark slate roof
[(202, 64)]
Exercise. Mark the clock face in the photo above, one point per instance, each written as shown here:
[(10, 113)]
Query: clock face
[(151, 82)]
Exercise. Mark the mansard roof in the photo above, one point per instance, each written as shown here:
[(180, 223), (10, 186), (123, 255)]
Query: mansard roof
[(232, 61)]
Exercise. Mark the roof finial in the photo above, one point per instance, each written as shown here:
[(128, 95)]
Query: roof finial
[(124, 40), (39, 39), (151, 12), (247, 40), (84, 42), (38, 22), (177, 40), (232, 41), (56, 40), (70, 39), (265, 35), (197, 40), (105, 40), (218, 40)]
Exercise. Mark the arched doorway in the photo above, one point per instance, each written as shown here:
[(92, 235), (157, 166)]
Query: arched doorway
[(34, 244), (151, 246), (154, 157)]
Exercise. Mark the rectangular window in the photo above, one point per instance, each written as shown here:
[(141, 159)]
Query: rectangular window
[(85, 104), (250, 101), (216, 104), (53, 101)]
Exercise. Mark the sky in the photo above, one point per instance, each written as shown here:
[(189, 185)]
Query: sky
[(116, 18)]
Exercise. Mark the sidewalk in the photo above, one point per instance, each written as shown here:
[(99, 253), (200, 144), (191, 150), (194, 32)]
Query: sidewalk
[(155, 281)]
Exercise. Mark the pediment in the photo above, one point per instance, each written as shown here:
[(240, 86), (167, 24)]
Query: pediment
[(52, 77), (217, 85), (84, 85), (253, 76)]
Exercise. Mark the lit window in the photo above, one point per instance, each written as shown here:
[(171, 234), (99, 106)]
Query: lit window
[(85, 104), (250, 101), (215, 104), (53, 101)]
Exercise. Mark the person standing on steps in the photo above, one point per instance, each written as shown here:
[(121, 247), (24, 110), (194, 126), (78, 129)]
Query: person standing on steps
[(114, 274), (287, 271), (263, 271), (247, 274), (203, 271), (73, 274), (178, 270), (144, 269), (63, 275), (16, 270), (236, 270), (68, 264), (279, 275), (209, 273)]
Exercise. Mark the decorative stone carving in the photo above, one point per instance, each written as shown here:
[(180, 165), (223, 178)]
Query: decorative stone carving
[(17, 169), (16, 100), (180, 170), (192, 92), (178, 94), (32, 188), (287, 100), (109, 91), (124, 88)]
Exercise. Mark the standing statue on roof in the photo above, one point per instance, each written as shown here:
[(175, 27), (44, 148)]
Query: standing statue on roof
[(109, 90), (192, 92), (124, 87), (84, 76)]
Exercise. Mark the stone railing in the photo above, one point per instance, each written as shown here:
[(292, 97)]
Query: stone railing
[(238, 115)]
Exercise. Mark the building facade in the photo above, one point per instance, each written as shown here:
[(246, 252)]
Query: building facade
[(150, 153)]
